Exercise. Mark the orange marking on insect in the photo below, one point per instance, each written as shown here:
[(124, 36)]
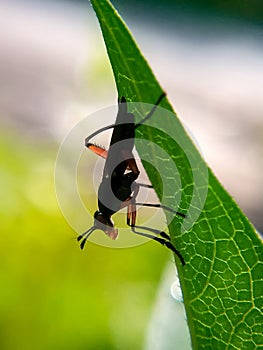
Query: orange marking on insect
[(100, 151)]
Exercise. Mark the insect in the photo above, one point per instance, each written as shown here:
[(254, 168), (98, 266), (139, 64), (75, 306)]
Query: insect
[(118, 188)]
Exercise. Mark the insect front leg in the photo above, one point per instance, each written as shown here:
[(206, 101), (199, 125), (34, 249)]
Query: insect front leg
[(132, 165), (131, 214)]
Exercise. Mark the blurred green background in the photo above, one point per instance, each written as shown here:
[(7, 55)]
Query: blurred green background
[(53, 72), (54, 296)]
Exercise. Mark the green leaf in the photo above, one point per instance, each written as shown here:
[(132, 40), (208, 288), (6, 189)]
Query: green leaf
[(222, 279)]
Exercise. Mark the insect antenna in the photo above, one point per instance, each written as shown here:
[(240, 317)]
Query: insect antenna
[(85, 235)]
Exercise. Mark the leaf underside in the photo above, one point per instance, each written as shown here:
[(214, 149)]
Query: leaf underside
[(222, 278)]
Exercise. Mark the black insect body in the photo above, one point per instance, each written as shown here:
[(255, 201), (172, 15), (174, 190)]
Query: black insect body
[(118, 188)]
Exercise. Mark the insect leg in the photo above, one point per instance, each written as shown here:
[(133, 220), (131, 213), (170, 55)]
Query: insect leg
[(162, 241), (151, 111), (156, 232), (87, 140), (144, 185), (162, 207), (139, 184), (131, 164), (131, 209), (131, 214)]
